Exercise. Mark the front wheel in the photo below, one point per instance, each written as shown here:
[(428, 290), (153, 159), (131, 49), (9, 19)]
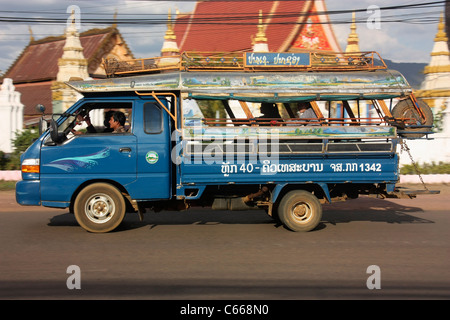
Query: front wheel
[(100, 207), (300, 210)]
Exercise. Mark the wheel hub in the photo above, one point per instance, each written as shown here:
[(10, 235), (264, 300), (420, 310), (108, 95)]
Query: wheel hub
[(100, 208), (301, 212)]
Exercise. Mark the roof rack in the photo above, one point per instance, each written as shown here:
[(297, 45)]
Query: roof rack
[(248, 61)]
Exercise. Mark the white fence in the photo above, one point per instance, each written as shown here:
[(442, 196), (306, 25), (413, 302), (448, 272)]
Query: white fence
[(10, 175), (428, 151)]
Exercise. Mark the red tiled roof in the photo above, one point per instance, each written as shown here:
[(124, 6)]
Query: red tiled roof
[(238, 24), (39, 60), (32, 94)]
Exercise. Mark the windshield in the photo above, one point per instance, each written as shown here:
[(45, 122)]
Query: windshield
[(68, 123)]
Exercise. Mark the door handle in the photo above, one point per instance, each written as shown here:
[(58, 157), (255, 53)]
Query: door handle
[(126, 149)]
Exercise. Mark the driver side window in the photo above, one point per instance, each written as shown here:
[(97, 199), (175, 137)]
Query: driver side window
[(97, 117), (90, 118)]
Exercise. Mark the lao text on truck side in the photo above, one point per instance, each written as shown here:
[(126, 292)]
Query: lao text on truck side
[(224, 131)]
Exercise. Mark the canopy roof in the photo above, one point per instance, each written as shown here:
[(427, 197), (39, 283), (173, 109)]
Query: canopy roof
[(260, 86)]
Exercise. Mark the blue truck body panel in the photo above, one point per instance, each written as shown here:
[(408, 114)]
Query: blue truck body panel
[(66, 167)]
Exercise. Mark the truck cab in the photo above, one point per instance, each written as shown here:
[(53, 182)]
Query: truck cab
[(69, 162)]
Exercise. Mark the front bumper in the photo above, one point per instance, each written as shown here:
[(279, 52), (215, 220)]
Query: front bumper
[(28, 192)]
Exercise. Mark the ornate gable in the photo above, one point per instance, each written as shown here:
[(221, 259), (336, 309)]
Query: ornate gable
[(236, 25)]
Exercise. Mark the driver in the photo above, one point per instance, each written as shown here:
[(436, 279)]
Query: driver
[(90, 128), (117, 122)]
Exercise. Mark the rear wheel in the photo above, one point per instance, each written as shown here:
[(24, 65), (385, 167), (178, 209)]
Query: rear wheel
[(405, 109), (300, 210), (100, 207)]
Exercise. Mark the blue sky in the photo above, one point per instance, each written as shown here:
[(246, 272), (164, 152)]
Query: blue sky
[(397, 41)]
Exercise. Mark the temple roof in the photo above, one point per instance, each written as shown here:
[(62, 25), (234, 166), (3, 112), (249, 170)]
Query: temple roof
[(32, 94), (36, 67), (231, 26), (39, 60)]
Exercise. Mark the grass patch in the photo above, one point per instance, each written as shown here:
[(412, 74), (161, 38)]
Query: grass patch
[(7, 185), (427, 168)]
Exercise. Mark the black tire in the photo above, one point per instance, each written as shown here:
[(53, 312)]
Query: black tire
[(99, 207), (405, 109), (300, 210)]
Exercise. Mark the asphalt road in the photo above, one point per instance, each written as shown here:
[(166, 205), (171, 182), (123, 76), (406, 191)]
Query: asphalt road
[(202, 254)]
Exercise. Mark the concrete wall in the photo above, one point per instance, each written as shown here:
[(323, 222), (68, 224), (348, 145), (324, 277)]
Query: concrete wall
[(428, 151), (11, 115)]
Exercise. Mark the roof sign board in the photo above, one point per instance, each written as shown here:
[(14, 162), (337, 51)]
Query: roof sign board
[(280, 59)]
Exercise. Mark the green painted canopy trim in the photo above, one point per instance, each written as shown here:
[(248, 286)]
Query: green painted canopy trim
[(285, 99)]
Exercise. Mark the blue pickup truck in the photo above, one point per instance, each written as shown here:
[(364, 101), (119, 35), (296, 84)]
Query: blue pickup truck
[(197, 135)]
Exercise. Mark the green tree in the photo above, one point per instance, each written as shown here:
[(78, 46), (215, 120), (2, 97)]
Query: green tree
[(209, 108), (438, 122), (426, 168), (21, 142), (3, 160)]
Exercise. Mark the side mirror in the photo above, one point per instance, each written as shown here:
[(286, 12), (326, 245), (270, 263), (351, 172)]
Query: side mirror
[(40, 108), (54, 134), (43, 125)]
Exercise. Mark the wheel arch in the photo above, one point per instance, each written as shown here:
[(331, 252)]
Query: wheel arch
[(114, 183), (320, 190)]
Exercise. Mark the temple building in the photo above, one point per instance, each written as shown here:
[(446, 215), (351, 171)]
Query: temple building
[(72, 64), (353, 39), (169, 51), (11, 115), (285, 26), (435, 91), (447, 20), (260, 41), (41, 69), (435, 88)]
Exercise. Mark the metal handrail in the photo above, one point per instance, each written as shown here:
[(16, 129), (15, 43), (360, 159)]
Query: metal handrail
[(235, 61)]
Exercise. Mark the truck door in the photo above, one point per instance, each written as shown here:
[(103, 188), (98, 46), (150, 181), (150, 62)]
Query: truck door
[(152, 130), (86, 157)]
